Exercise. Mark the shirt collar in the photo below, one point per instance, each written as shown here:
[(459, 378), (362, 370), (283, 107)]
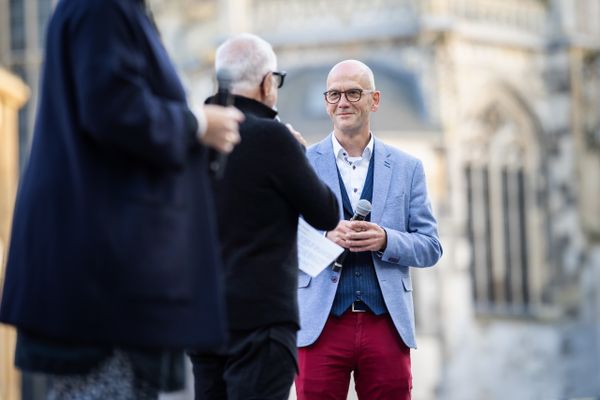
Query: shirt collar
[(340, 152)]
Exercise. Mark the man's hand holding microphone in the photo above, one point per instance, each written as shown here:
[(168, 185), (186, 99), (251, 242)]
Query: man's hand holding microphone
[(222, 124), (357, 234)]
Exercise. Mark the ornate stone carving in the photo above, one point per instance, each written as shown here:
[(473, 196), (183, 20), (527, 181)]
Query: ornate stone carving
[(288, 16)]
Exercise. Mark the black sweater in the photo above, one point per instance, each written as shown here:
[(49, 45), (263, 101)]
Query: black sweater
[(268, 184)]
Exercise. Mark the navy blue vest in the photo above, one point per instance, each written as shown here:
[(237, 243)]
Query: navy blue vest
[(358, 280)]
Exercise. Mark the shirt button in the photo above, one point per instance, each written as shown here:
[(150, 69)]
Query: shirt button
[(334, 279), (357, 273), (355, 190), (354, 167), (358, 293)]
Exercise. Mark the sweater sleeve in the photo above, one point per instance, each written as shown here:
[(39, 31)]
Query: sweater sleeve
[(300, 185)]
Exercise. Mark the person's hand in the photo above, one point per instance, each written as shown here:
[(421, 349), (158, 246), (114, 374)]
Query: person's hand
[(338, 235), (222, 127), (297, 135), (365, 236)]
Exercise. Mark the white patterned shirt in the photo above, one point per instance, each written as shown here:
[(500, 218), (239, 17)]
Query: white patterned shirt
[(353, 170)]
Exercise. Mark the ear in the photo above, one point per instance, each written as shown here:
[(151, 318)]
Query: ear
[(375, 97), (267, 86)]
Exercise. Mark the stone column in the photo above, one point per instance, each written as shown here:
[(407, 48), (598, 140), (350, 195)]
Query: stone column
[(13, 94)]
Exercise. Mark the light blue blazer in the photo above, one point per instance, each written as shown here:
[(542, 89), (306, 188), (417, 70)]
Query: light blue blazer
[(402, 208)]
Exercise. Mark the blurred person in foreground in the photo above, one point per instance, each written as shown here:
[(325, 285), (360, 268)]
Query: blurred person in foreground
[(361, 319), (112, 269), (268, 183)]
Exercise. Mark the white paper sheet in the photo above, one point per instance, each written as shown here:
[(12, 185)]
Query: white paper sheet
[(315, 251)]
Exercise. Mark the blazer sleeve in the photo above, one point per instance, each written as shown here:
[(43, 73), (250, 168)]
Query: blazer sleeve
[(299, 184), (419, 246), (116, 86)]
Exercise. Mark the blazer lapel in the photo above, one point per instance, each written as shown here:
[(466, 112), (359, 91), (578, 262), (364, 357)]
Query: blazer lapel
[(381, 179), (327, 169)]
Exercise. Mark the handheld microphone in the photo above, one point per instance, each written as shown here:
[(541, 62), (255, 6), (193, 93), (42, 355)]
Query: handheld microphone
[(363, 209), (217, 160)]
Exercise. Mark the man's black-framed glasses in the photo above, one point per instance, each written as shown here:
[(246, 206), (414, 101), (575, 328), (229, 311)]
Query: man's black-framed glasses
[(279, 77), (352, 95)]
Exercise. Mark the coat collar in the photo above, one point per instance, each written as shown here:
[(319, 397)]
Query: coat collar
[(382, 174), (327, 169), (249, 106)]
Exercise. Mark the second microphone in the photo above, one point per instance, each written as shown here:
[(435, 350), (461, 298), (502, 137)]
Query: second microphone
[(363, 209)]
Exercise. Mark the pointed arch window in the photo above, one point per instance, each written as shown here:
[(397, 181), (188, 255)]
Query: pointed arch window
[(499, 191)]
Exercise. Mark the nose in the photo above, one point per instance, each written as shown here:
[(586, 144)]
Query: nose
[(343, 103)]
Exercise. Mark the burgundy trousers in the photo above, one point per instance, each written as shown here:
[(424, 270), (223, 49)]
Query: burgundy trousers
[(358, 342)]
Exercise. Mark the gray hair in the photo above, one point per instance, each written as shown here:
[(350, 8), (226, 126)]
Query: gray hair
[(248, 58)]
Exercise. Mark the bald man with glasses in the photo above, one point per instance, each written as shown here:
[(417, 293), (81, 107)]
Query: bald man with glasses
[(360, 319), (267, 184)]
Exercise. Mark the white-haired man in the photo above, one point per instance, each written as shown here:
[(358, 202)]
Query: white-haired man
[(268, 183)]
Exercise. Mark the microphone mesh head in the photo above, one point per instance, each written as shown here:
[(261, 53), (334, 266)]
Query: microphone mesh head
[(363, 207)]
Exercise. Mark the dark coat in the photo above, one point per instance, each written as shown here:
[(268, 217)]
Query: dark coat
[(114, 234), (268, 184)]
